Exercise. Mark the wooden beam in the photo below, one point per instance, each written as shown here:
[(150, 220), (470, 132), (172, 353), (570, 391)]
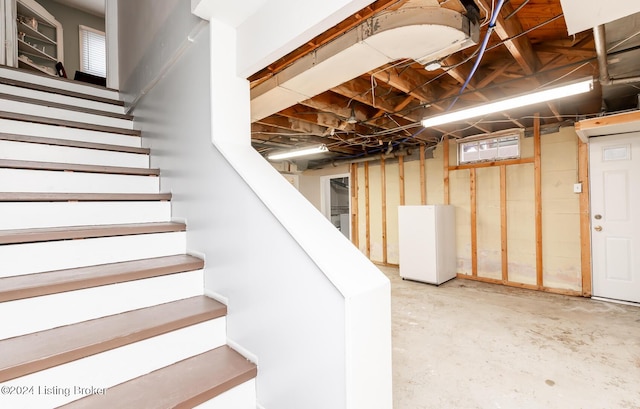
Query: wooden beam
[(423, 178), (367, 211), (293, 125), (538, 199), (520, 47), (355, 228), (408, 81), (503, 223), (491, 164), (520, 285), (401, 173), (383, 183), (474, 222), (445, 159), (585, 218), (360, 90)]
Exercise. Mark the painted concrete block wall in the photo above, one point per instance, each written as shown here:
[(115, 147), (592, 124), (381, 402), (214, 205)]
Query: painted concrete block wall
[(521, 242), (392, 171), (375, 211), (411, 180), (459, 185), (560, 211), (435, 177), (488, 223)]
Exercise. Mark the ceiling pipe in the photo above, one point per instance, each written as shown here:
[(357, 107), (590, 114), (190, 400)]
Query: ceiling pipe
[(394, 155), (600, 41)]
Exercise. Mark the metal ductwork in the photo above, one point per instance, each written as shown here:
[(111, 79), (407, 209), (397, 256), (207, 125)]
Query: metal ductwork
[(600, 40), (422, 34)]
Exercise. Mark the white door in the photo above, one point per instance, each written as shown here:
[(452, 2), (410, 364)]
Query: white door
[(615, 216)]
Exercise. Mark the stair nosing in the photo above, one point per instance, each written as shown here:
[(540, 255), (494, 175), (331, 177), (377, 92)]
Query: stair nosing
[(81, 197), (60, 91), (69, 124), (55, 282), (79, 340), (178, 396), (59, 105), (38, 235), (73, 167), (73, 144)]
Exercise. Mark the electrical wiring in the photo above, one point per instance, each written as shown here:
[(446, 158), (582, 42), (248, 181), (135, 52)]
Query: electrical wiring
[(483, 47)]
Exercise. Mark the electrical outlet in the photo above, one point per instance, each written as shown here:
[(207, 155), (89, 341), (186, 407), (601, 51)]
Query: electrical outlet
[(577, 188)]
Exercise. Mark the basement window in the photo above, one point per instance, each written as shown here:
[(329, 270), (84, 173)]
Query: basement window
[(93, 51), (490, 148)]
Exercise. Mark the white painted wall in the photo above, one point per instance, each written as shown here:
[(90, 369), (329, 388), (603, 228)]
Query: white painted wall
[(149, 32), (310, 308)]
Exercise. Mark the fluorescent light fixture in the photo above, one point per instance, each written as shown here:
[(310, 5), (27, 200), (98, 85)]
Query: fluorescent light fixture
[(511, 103), (299, 152)]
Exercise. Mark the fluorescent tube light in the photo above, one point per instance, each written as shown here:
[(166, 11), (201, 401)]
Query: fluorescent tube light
[(299, 152), (511, 103)]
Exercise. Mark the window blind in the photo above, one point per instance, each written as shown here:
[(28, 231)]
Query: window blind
[(93, 55)]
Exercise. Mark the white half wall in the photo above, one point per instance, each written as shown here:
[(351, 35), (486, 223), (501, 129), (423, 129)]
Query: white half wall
[(307, 305)]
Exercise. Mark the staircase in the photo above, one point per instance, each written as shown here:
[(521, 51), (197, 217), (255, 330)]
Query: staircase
[(100, 306)]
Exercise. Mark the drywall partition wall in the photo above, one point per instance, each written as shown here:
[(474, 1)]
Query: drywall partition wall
[(150, 35), (311, 336), (496, 223), (276, 249), (309, 265), (71, 18)]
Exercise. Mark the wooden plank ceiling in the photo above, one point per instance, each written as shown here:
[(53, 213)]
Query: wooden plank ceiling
[(529, 48)]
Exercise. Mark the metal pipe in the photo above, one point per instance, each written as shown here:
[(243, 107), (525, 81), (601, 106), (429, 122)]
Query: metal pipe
[(600, 41)]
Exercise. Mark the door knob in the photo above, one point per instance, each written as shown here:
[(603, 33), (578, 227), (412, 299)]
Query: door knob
[(598, 228), (597, 216)]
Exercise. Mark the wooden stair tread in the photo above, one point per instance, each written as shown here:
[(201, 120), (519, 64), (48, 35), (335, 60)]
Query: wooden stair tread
[(81, 197), (85, 232), (72, 144), (37, 87), (40, 350), (67, 107), (52, 282), (68, 124), (73, 167), (184, 384)]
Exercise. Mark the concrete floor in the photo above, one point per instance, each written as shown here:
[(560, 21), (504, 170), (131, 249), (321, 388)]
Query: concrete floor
[(468, 345)]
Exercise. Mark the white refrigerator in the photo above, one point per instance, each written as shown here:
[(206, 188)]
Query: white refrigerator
[(427, 243)]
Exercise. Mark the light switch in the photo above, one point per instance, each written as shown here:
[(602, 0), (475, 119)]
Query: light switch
[(577, 188)]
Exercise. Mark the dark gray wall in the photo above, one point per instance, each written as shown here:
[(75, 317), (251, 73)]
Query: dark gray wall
[(70, 19)]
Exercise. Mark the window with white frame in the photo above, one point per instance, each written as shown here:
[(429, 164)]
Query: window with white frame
[(93, 51), (490, 148)]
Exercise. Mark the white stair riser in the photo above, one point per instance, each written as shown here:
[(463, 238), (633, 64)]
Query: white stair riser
[(72, 134), (24, 180), (50, 311), (61, 99), (52, 82), (118, 365), (242, 396), (61, 154), (63, 114), (19, 259), (29, 215)]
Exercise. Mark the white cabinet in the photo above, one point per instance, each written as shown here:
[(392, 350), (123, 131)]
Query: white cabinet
[(39, 38), (427, 243)]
